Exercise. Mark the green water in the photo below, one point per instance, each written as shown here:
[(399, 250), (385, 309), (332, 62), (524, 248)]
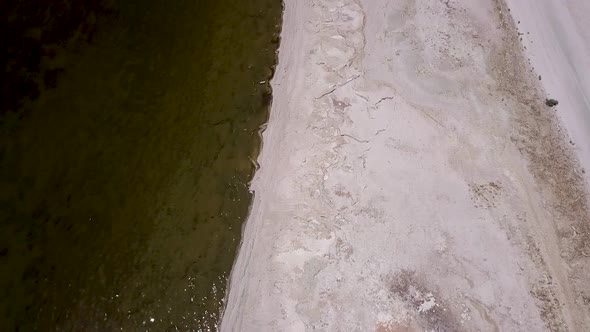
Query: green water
[(125, 161)]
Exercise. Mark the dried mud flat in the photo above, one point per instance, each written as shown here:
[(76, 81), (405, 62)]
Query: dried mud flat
[(412, 178)]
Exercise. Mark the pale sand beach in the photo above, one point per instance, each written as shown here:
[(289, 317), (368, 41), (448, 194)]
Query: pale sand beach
[(412, 177)]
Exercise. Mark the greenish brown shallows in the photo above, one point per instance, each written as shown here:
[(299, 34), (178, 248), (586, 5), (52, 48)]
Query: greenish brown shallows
[(126, 136)]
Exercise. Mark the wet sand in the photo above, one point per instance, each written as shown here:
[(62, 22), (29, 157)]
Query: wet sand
[(412, 178)]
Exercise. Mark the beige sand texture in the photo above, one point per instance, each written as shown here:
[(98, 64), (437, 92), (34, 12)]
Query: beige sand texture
[(556, 41), (411, 179)]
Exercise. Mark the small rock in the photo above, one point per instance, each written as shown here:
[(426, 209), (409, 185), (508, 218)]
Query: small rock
[(551, 102), (539, 77)]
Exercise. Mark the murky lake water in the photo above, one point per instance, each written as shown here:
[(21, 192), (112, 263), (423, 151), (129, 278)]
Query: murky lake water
[(124, 179)]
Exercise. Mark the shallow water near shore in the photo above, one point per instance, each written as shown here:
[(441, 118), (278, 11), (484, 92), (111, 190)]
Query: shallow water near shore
[(125, 165)]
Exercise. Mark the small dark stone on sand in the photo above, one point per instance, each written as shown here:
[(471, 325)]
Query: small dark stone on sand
[(551, 102), (539, 77)]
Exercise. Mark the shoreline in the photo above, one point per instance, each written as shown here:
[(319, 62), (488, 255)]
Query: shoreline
[(250, 229), (410, 178)]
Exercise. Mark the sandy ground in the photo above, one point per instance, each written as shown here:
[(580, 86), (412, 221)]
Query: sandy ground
[(412, 178), (556, 41)]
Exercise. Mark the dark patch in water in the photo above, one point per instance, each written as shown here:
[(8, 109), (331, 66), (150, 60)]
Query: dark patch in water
[(31, 35)]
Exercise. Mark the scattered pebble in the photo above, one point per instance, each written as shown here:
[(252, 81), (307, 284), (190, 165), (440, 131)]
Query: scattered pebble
[(551, 102)]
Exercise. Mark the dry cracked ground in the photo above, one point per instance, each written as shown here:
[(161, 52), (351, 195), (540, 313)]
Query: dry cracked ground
[(411, 179)]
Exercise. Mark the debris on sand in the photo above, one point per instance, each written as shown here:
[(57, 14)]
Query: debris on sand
[(551, 102)]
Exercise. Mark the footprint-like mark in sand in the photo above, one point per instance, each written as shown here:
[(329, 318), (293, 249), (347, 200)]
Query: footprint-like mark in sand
[(485, 195)]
